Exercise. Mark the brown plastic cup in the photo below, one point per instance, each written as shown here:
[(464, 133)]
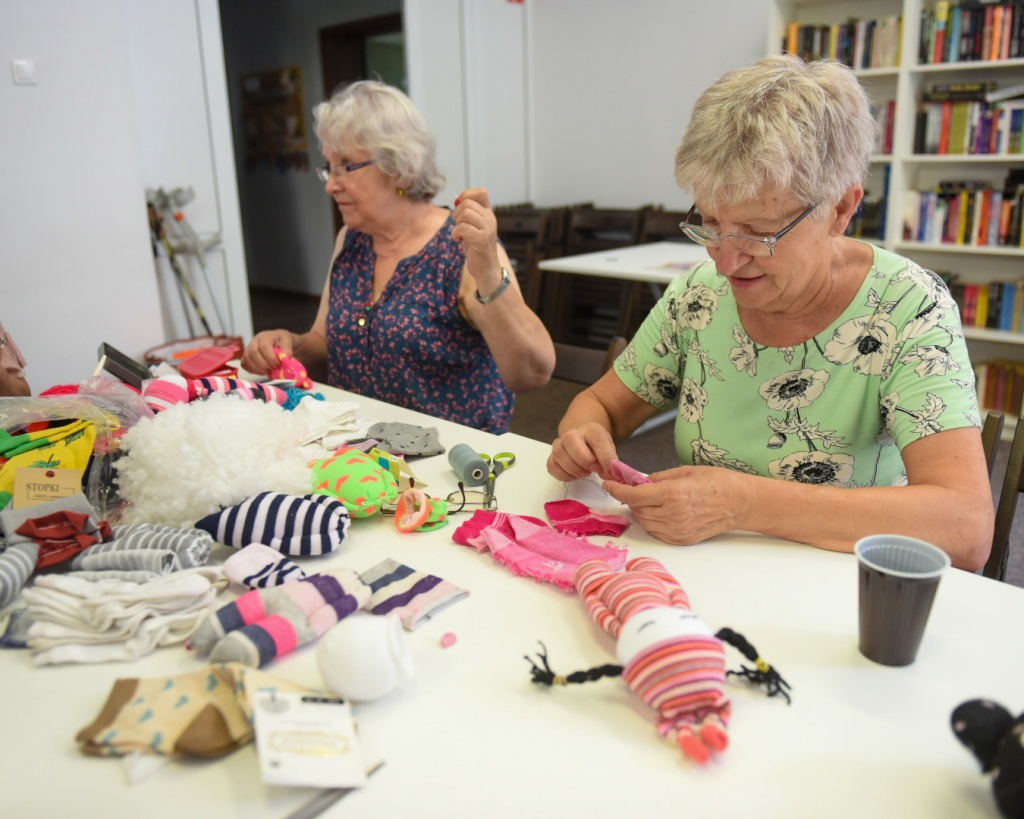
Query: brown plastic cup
[(898, 580)]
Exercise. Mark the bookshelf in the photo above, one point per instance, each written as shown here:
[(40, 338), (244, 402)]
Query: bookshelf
[(896, 175)]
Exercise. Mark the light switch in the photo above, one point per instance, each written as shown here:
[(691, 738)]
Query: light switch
[(24, 72)]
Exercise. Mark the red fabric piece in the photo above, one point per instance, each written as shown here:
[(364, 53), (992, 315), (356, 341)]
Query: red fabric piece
[(62, 535), (572, 517), (60, 389)]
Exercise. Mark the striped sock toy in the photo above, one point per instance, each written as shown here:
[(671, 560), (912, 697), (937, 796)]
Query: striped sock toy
[(264, 624)]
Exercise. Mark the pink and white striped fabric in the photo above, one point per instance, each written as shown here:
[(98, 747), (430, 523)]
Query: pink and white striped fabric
[(163, 392)]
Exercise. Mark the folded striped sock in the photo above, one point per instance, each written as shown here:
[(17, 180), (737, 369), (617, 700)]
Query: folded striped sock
[(17, 563), (260, 567), (147, 547), (305, 525), (414, 596)]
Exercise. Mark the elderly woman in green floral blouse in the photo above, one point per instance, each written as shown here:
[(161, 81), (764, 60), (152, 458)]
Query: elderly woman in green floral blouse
[(823, 386)]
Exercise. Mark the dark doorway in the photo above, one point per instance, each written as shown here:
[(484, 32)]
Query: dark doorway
[(367, 49)]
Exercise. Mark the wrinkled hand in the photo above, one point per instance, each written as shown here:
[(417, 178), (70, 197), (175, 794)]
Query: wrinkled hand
[(685, 505), (580, 451), (259, 357), (476, 229)]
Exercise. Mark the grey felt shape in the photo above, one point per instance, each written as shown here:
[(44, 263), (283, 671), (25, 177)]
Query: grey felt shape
[(407, 439)]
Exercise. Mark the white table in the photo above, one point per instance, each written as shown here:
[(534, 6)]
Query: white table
[(655, 263), (651, 265), (473, 737)]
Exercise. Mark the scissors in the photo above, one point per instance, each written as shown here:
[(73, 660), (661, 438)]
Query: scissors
[(495, 466)]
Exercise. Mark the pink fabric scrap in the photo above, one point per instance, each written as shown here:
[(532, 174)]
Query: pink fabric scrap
[(571, 517), (626, 474), (466, 534), (528, 547)]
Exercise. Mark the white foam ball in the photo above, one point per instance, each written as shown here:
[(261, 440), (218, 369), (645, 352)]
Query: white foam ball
[(364, 657)]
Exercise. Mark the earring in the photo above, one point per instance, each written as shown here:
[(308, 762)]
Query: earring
[(401, 191)]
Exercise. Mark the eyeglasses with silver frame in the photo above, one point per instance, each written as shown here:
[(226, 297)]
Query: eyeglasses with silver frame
[(462, 498), (750, 245), (325, 172)]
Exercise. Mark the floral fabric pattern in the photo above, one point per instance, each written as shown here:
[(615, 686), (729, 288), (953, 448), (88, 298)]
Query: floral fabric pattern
[(412, 347), (836, 409)]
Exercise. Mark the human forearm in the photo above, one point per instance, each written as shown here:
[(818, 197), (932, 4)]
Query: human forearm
[(518, 340), (835, 518), (947, 501)]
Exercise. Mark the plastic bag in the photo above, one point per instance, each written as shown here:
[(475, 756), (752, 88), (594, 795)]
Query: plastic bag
[(113, 409)]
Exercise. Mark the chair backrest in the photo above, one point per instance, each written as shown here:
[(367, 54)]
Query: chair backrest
[(1013, 485), (525, 233), (662, 226), (583, 365), (991, 434), (593, 229)]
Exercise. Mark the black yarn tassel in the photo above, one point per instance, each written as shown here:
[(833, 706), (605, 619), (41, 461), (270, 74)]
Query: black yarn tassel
[(545, 676), (764, 674)]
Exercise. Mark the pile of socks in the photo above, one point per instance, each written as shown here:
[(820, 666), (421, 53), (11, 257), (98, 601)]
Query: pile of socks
[(94, 621)]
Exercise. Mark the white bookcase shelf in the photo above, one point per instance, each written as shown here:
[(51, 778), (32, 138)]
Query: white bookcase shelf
[(903, 171)]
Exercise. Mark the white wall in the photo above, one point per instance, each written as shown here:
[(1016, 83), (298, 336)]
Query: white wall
[(185, 140), (75, 261), (612, 85), (130, 94), (288, 219), (467, 75), (570, 101)]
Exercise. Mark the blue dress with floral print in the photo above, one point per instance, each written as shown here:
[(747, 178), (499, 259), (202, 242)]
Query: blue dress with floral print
[(837, 409), (412, 347)]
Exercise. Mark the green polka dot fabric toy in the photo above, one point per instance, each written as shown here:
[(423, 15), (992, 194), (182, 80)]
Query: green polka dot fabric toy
[(356, 479)]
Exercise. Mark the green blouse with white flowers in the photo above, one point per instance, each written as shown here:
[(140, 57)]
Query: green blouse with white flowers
[(836, 409)]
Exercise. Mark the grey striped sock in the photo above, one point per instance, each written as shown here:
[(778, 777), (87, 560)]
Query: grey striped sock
[(16, 566), (147, 547)]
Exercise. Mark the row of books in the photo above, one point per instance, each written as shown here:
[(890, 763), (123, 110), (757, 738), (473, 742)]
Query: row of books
[(1000, 385), (992, 305), (885, 117), (857, 43), (971, 31), (967, 212), (969, 127)]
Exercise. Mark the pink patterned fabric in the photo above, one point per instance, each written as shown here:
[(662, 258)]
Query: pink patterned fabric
[(167, 390), (528, 547), (571, 517), (626, 474), (481, 519)]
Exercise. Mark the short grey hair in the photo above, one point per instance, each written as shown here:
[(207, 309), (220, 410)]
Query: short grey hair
[(800, 127), (378, 118)]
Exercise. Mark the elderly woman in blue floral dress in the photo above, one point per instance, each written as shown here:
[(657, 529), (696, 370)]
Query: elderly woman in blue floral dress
[(823, 386), (419, 309)]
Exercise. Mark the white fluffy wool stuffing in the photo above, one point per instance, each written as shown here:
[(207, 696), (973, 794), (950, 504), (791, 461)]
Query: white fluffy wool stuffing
[(194, 459)]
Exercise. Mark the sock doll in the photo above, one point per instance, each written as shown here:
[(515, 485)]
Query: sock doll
[(669, 657)]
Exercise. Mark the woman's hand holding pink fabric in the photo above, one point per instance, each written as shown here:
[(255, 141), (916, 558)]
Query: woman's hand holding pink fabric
[(685, 505), (261, 356), (580, 451)]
